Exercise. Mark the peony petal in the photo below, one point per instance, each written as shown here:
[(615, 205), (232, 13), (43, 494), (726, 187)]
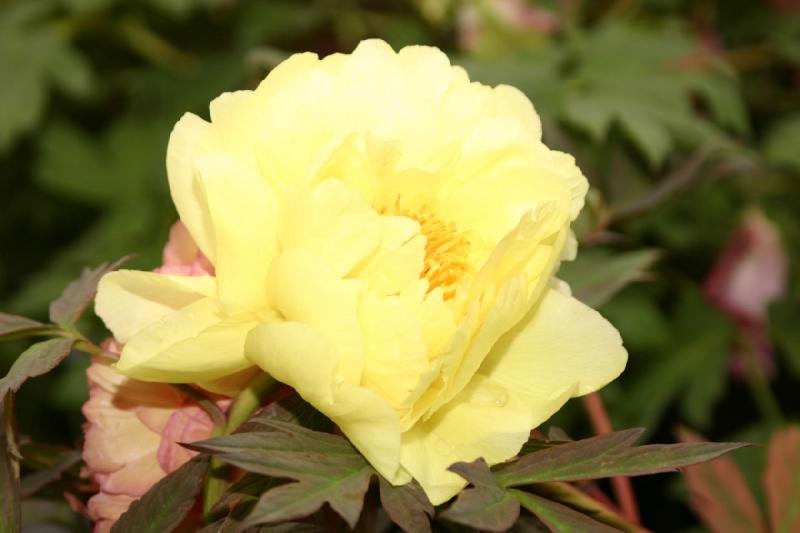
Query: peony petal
[(304, 359), (396, 355), (503, 293), (181, 248), (243, 212), (303, 289), (331, 222), (135, 477), (561, 349), (489, 199), (190, 136), (193, 344), (484, 420), (560, 346), (231, 385), (105, 509), (188, 424), (128, 301), (115, 437)]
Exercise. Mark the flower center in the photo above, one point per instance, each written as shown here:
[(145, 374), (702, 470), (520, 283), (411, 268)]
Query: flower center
[(446, 252)]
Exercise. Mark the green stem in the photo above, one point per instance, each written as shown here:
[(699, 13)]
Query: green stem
[(87, 346), (245, 404), (249, 400), (760, 389)]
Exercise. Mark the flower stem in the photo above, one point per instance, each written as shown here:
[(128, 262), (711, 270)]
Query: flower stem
[(249, 400), (245, 404), (759, 387), (623, 491)]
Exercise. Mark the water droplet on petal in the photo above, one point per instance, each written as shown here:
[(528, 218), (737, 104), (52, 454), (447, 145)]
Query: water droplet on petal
[(489, 396)]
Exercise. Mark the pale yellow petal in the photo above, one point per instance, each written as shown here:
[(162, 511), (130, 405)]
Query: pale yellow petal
[(510, 102), (243, 212), (492, 201), (504, 289), (304, 359), (196, 343), (332, 222), (561, 349), (399, 259), (396, 355), (129, 301), (484, 420), (191, 136), (564, 166), (304, 289), (561, 345)]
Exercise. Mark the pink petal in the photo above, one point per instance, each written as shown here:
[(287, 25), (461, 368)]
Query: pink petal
[(188, 424), (751, 272)]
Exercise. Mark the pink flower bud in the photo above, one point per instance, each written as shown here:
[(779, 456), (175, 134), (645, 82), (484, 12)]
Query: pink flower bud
[(750, 274)]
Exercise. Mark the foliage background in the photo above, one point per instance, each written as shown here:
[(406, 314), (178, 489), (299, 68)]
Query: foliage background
[(683, 114)]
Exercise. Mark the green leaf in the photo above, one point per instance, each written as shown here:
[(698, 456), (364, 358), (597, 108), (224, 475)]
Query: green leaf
[(651, 136), (237, 502), (10, 515), (598, 274), (701, 341), (604, 456), (486, 505), (35, 55), (559, 518), (294, 410), (167, 503), (578, 500), (781, 144), (537, 76), (67, 309), (700, 395), (39, 359), (721, 92), (649, 94), (592, 115), (407, 506), (182, 8), (11, 326), (326, 469), (72, 165)]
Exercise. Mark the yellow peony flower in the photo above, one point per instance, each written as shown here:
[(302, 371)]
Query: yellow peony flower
[(384, 236)]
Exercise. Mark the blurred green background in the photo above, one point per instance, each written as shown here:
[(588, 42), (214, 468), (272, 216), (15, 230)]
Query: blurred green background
[(684, 115)]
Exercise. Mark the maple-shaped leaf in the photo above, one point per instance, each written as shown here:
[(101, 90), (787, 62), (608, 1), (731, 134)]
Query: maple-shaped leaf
[(325, 468), (720, 495), (39, 359), (559, 517), (167, 503), (597, 275), (609, 455), (68, 308), (407, 506), (12, 326), (486, 505), (236, 503), (782, 479)]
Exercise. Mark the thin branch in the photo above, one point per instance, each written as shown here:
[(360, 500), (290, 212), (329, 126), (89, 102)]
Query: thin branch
[(672, 184), (623, 490)]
